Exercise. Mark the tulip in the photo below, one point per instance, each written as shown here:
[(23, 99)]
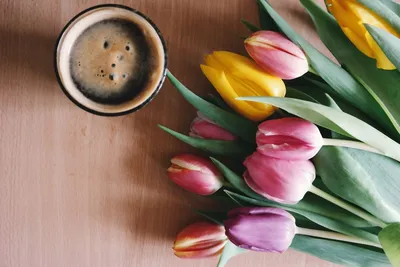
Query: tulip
[(276, 54), (289, 138), (283, 181), (202, 127), (195, 174), (199, 240), (351, 17), (273, 229), (235, 76), (261, 228)]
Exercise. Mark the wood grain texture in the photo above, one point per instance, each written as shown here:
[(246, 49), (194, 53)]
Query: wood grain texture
[(82, 190)]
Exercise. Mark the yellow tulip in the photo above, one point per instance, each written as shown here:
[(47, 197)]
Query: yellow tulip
[(351, 17), (234, 76)]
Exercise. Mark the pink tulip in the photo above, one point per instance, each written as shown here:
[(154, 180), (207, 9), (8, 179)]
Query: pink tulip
[(261, 228), (195, 174), (289, 138), (284, 181), (276, 54), (204, 128), (199, 240)]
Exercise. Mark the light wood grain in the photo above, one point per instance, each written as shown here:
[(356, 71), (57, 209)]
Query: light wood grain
[(82, 190)]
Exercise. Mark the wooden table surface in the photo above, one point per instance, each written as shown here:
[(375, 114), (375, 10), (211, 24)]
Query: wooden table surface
[(83, 190)]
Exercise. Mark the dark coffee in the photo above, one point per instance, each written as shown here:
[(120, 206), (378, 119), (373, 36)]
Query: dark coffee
[(111, 60)]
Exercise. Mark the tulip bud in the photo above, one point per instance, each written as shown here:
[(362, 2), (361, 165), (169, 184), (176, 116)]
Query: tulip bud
[(203, 128), (276, 54), (199, 240), (195, 174), (283, 181), (289, 138), (261, 228)]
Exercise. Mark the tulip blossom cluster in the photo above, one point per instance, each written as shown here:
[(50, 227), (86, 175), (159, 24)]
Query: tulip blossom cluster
[(280, 169)]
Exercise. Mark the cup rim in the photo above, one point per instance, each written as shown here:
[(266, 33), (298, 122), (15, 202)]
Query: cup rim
[(105, 114)]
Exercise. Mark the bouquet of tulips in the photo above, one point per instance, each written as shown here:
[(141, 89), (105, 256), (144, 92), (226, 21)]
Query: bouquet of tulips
[(311, 164)]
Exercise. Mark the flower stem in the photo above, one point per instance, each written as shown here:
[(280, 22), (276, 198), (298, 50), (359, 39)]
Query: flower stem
[(351, 144), (366, 216), (335, 236)]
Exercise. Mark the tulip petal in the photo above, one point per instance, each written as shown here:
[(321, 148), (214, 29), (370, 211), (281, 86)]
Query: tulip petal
[(289, 138), (195, 174), (221, 84), (283, 181), (276, 54), (382, 62), (361, 44), (199, 240), (209, 130), (195, 163), (245, 69), (261, 230), (214, 250)]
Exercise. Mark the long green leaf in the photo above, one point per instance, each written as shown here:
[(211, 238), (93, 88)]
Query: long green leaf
[(310, 204), (390, 240), (389, 44), (234, 123), (365, 179), (230, 250), (381, 84), (336, 121), (342, 84), (266, 22), (393, 5), (251, 27), (225, 148), (339, 252)]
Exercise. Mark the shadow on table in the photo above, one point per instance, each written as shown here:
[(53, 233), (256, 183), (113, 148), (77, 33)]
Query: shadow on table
[(27, 52)]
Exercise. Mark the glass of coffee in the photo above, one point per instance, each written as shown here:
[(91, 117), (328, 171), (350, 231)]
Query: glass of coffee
[(110, 60)]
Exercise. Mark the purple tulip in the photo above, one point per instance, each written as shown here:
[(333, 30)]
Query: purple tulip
[(284, 181), (204, 128), (260, 228), (289, 138)]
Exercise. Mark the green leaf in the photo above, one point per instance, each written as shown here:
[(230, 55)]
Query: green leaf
[(310, 204), (340, 252), (266, 22), (336, 121), (217, 217), (229, 251), (390, 240), (381, 84), (299, 94), (365, 179), (218, 101), (383, 11), (393, 5), (342, 84), (387, 42), (251, 27), (235, 180), (225, 148), (234, 123)]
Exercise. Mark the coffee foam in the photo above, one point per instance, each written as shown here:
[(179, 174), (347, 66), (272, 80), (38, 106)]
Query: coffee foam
[(108, 74)]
